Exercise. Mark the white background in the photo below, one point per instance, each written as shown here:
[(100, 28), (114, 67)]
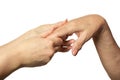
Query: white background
[(19, 16)]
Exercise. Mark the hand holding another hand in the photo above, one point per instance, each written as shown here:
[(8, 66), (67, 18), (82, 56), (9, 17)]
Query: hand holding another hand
[(37, 46), (34, 48), (84, 27)]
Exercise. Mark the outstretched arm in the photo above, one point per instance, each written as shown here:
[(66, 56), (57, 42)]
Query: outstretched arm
[(96, 27)]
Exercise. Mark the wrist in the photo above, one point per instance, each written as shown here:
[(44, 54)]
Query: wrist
[(102, 26)]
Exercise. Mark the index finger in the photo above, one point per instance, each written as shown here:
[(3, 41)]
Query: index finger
[(67, 29)]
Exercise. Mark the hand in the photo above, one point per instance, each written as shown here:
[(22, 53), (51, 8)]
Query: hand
[(84, 27), (34, 48), (37, 46)]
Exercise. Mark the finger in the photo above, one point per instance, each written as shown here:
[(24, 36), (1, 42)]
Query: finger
[(56, 41), (63, 48), (45, 34), (67, 29), (66, 46), (52, 27), (68, 43), (78, 43), (59, 24)]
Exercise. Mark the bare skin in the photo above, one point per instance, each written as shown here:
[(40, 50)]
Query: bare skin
[(34, 48), (96, 27), (86, 27)]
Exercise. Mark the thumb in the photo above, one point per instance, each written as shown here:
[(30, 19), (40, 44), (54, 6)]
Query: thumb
[(78, 43)]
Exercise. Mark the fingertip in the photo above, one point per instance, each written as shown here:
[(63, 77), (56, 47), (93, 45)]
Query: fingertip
[(74, 52), (65, 48), (62, 22), (69, 42)]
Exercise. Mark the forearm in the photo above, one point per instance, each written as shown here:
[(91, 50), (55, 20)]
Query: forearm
[(108, 51), (8, 61)]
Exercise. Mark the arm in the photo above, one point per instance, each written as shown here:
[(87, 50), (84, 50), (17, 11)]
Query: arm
[(95, 26), (34, 48), (9, 61), (109, 51)]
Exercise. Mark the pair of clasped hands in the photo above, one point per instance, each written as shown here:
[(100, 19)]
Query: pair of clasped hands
[(37, 46)]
